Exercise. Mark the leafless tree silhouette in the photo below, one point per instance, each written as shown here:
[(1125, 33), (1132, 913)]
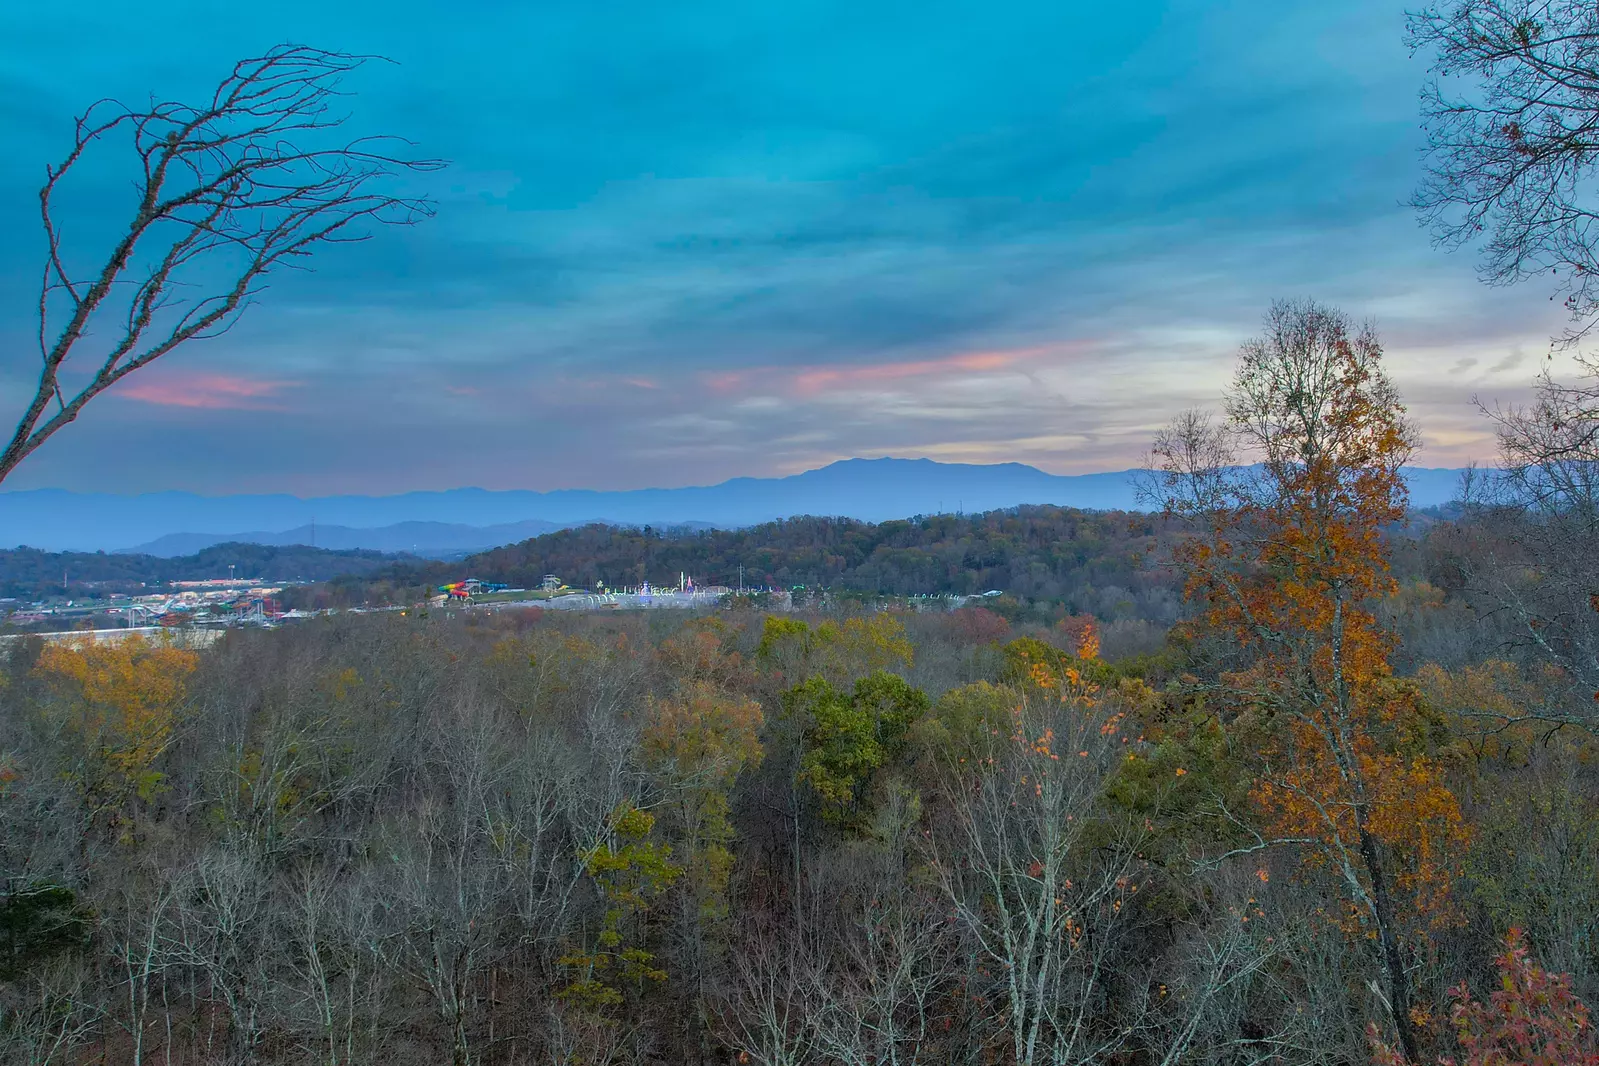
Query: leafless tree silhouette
[(255, 177), (1510, 159)]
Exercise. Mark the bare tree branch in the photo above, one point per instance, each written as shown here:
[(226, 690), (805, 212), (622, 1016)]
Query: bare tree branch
[(1510, 162), (228, 191)]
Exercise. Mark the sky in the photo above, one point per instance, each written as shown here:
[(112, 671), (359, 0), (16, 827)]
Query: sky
[(678, 243)]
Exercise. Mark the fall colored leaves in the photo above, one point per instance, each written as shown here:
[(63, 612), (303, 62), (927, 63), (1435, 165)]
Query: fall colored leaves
[(120, 703), (1289, 563)]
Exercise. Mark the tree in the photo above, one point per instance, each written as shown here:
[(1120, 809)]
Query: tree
[(1530, 548), (120, 701), (1043, 888), (1514, 159), (227, 191), (697, 744), (1289, 563), (631, 878), (850, 736), (838, 652)]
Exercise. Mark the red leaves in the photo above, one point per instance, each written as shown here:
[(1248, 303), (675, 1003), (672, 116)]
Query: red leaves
[(1534, 1019)]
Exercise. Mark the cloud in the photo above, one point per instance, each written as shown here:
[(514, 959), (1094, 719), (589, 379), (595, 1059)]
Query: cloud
[(214, 392), (814, 380), (681, 243)]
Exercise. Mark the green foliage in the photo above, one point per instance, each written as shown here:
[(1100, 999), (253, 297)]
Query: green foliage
[(1025, 653), (841, 746), (893, 705), (1181, 783), (848, 738), (963, 721), (631, 877)]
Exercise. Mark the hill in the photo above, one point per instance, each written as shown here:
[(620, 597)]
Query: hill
[(430, 540), (1086, 560), (29, 574)]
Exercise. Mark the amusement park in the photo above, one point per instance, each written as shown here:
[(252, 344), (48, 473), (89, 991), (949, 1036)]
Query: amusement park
[(554, 593)]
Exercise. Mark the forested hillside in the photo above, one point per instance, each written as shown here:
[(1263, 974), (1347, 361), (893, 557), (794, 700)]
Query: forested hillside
[(1093, 560), (27, 573)]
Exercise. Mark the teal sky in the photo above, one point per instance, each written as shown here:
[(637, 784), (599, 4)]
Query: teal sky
[(684, 242)]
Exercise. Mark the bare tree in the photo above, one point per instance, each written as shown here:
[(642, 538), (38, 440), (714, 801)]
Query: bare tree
[(227, 191), (1044, 904), (885, 995), (52, 1018), (1511, 161), (1528, 553), (769, 1010)]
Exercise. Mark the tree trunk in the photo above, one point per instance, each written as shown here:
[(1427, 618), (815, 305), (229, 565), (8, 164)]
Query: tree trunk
[(1388, 945)]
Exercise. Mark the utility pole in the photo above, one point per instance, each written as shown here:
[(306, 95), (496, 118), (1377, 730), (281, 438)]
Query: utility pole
[(741, 580)]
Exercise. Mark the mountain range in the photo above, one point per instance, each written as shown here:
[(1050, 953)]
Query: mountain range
[(436, 540), (450, 522)]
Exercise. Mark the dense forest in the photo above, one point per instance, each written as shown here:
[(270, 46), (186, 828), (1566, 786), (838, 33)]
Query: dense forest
[(30, 574), (1346, 812), (1095, 562), (1050, 562)]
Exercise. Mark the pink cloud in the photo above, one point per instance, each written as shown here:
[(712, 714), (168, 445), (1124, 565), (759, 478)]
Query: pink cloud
[(208, 391), (814, 380), (727, 381)]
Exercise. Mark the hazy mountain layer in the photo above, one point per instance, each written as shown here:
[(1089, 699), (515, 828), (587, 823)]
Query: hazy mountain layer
[(872, 490)]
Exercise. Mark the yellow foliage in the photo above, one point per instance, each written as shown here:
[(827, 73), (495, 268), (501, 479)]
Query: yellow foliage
[(1495, 693), (121, 699), (700, 741), (839, 651)]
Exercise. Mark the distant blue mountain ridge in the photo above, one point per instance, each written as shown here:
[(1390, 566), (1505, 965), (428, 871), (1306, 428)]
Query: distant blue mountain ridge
[(455, 520)]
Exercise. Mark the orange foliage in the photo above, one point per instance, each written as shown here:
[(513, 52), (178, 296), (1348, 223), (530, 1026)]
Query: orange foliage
[(700, 653), (1291, 566), (1082, 633), (1293, 570)]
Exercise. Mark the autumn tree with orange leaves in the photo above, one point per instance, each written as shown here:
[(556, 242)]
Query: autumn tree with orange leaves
[(1287, 497)]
